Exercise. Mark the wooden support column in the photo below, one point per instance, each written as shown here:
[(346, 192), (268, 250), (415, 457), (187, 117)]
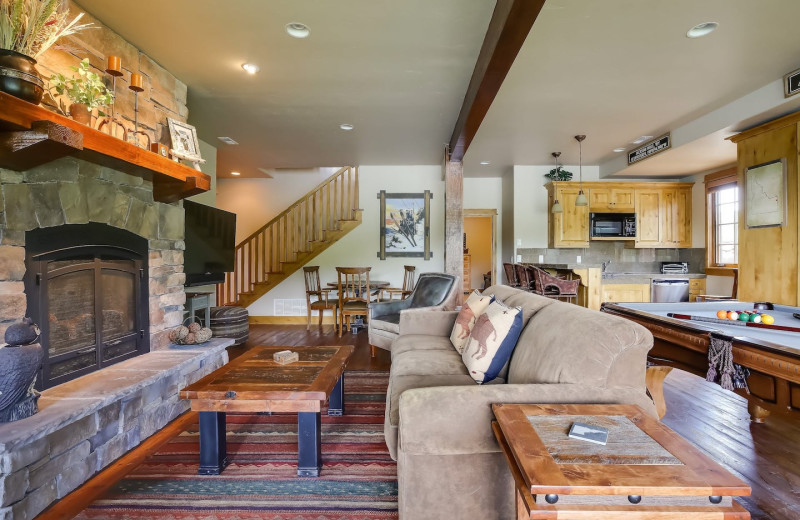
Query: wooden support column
[(454, 219)]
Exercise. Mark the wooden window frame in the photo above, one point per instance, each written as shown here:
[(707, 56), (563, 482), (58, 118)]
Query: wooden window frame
[(715, 182)]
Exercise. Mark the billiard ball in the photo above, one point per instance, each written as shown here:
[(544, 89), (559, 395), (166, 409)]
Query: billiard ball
[(755, 318), (766, 319), (744, 317), (733, 315), (722, 314)]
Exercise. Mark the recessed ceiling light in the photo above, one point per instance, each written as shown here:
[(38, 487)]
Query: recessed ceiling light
[(484, 163), (250, 68), (236, 173), (297, 30), (346, 126), (619, 150), (701, 29), (642, 139), (227, 140)]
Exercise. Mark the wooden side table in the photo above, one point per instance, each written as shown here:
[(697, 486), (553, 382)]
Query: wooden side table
[(644, 471), (198, 301)]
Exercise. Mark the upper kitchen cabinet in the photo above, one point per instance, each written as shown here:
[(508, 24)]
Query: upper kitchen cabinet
[(570, 228), (611, 200), (663, 212)]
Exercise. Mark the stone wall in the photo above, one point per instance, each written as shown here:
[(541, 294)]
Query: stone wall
[(72, 191), (164, 95), (86, 424)]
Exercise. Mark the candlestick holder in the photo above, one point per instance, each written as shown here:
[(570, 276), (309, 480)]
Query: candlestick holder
[(114, 70), (137, 86)]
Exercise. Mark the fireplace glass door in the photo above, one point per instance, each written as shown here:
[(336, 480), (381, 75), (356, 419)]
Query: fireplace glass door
[(91, 302)]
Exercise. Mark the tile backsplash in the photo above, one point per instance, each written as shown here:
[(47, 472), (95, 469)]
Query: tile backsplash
[(620, 258)]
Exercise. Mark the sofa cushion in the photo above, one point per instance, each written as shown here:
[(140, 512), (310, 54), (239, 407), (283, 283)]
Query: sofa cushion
[(492, 341), (565, 343), (408, 342), (388, 322), (472, 308), (428, 363), (530, 303)]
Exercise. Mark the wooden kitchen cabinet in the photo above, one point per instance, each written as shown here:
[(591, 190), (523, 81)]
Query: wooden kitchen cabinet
[(664, 217), (697, 286), (571, 227), (611, 200), (626, 292), (663, 212)]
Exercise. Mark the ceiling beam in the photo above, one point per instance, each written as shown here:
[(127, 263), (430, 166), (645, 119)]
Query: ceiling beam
[(511, 22)]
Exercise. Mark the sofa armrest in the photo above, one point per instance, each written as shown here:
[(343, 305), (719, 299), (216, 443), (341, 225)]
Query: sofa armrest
[(378, 309), (428, 321), (457, 420)]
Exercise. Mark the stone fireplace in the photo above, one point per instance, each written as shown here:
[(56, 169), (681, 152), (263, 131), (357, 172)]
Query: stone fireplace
[(86, 289), (70, 194)]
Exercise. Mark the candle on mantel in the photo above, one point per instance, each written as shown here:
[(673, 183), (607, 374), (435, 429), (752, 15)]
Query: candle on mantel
[(137, 83), (114, 65)]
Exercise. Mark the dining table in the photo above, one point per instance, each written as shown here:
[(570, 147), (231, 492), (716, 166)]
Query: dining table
[(358, 322)]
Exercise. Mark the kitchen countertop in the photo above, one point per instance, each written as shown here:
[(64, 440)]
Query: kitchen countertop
[(618, 278), (566, 266)]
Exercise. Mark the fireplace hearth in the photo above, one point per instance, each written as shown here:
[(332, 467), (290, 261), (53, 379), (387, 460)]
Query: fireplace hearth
[(87, 288)]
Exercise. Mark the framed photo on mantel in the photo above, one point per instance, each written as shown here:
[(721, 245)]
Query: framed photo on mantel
[(765, 194), (405, 225)]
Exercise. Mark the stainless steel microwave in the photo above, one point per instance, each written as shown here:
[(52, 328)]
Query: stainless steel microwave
[(612, 225)]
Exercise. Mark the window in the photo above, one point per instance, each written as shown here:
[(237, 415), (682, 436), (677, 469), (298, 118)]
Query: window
[(726, 225), (722, 192)]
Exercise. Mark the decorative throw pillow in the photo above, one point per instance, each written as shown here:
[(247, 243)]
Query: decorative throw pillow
[(472, 308), (492, 341)]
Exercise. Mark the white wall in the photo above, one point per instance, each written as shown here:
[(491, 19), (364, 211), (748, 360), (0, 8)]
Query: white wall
[(257, 201), (487, 193), (360, 247), (530, 201)]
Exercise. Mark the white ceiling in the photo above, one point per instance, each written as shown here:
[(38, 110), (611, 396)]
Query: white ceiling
[(398, 70), (618, 69)]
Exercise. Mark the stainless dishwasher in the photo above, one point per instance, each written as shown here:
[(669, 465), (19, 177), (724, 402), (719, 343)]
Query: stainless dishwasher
[(669, 290)]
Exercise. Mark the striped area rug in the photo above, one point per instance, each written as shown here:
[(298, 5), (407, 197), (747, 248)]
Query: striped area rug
[(358, 478)]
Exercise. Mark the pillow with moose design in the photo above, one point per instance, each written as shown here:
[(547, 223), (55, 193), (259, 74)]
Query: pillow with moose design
[(472, 308), (492, 341)]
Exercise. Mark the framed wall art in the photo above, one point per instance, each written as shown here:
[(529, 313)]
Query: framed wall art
[(184, 140), (405, 225), (765, 194)]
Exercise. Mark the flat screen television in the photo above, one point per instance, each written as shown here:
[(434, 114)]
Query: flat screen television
[(210, 243)]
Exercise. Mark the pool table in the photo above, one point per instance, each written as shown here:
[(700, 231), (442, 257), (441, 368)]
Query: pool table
[(773, 356)]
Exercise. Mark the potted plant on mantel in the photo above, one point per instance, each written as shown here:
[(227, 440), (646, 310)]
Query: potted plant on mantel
[(27, 29), (87, 92)]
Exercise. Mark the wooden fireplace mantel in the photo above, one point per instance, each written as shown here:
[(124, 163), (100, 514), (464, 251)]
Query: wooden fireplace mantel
[(31, 135)]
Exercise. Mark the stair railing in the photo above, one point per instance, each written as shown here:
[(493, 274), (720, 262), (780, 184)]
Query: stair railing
[(292, 234)]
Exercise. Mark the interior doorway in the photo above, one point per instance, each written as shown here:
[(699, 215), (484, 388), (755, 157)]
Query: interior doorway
[(480, 254)]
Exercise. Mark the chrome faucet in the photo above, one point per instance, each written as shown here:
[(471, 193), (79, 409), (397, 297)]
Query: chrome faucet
[(605, 266)]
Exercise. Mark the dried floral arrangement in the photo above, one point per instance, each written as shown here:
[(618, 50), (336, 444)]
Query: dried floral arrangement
[(30, 27)]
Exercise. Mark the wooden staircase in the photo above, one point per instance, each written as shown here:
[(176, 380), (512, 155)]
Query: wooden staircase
[(289, 241)]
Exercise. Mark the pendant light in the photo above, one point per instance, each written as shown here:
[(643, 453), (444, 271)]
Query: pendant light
[(556, 205), (580, 200)]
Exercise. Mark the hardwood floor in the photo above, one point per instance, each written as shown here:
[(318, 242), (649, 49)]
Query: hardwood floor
[(766, 456)]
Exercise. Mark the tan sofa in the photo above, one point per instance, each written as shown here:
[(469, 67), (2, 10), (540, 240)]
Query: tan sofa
[(438, 420)]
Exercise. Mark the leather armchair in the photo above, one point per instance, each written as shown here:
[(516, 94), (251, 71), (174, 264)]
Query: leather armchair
[(434, 291)]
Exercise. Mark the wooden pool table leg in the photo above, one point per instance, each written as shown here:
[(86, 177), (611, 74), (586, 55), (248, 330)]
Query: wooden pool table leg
[(213, 448), (655, 385), (757, 414)]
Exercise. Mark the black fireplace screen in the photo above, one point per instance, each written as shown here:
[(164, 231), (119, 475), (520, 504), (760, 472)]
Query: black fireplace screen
[(89, 299)]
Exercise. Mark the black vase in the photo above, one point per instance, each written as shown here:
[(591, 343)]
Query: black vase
[(18, 77)]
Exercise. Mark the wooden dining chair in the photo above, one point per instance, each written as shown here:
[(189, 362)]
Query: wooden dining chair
[(322, 301), (406, 289), (354, 294), (714, 298), (545, 284)]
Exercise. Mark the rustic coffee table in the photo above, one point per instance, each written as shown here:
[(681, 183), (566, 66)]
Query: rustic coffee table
[(254, 383), (644, 471)]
